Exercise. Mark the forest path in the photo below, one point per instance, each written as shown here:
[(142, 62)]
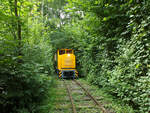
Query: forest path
[(82, 103)]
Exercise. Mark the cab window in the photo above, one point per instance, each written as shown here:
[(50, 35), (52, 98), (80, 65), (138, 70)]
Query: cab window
[(61, 52), (69, 51)]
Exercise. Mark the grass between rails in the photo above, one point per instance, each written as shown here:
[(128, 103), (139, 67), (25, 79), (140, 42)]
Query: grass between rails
[(108, 100)]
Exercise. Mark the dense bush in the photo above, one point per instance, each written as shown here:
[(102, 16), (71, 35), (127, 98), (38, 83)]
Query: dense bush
[(24, 81)]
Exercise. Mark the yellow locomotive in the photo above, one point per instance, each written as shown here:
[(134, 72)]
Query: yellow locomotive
[(66, 63)]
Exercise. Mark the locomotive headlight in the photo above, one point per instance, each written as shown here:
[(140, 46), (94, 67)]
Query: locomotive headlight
[(68, 54)]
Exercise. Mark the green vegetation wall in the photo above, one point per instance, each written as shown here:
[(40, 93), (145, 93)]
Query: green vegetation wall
[(26, 58), (112, 44)]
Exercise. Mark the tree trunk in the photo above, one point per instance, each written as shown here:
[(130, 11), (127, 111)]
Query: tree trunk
[(18, 27)]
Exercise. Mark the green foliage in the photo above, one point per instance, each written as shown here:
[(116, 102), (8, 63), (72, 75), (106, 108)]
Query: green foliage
[(25, 82), (24, 85), (59, 39), (111, 40)]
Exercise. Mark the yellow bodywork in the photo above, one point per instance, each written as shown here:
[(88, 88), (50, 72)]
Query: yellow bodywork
[(66, 61)]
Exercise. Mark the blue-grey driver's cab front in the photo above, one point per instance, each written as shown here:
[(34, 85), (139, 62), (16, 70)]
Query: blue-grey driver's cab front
[(68, 74)]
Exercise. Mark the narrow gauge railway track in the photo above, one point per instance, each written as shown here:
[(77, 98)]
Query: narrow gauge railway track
[(70, 96), (100, 107)]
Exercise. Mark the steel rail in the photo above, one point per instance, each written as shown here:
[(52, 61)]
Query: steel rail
[(88, 94), (71, 99)]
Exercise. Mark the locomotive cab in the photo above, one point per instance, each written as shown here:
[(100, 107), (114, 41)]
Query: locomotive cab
[(66, 64)]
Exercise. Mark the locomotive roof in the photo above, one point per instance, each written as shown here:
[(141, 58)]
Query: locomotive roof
[(65, 49)]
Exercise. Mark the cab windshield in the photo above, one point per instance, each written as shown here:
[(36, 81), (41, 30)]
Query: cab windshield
[(68, 51), (61, 52)]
